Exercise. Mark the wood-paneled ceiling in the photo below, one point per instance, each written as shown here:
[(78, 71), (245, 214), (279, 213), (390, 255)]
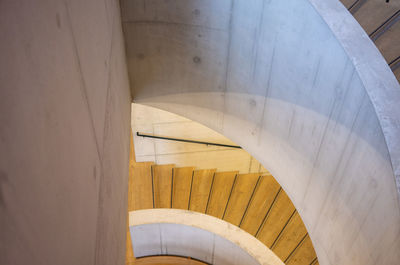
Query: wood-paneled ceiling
[(381, 21), (254, 202)]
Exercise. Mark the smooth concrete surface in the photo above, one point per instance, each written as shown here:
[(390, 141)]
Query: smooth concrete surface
[(64, 133), (302, 88), (154, 121), (196, 235)]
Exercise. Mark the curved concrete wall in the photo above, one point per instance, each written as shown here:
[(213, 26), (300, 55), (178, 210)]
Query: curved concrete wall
[(196, 235), (301, 87), (181, 240)]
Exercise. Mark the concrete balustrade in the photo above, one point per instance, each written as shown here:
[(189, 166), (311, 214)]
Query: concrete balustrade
[(203, 237)]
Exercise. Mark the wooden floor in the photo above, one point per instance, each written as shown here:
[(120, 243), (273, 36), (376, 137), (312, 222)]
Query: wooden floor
[(254, 202), (130, 258)]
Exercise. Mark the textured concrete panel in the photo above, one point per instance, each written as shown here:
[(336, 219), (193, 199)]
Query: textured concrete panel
[(115, 149), (227, 253), (146, 240), (198, 13), (185, 241)]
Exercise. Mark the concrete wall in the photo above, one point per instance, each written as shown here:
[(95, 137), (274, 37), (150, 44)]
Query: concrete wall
[(64, 133), (302, 88), (182, 240)]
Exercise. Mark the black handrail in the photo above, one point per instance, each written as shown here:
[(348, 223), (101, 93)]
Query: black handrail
[(185, 140)]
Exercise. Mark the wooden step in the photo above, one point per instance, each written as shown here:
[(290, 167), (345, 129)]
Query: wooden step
[(255, 202)]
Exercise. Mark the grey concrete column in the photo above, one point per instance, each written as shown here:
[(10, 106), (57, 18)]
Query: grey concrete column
[(64, 133)]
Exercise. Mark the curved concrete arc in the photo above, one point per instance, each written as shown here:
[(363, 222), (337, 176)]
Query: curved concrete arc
[(196, 235), (301, 87), (375, 74)]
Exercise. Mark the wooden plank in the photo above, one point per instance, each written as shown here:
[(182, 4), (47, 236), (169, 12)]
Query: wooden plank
[(303, 255), (290, 237), (372, 14), (132, 163), (276, 219), (240, 197), (200, 191), (385, 43), (264, 195), (162, 184), (347, 3), (181, 181), (220, 192), (132, 157), (130, 257), (167, 260), (140, 187)]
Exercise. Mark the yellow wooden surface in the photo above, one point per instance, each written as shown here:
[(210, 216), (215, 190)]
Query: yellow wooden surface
[(303, 255), (290, 237), (240, 197), (129, 257), (264, 195), (181, 181), (141, 196), (243, 199), (200, 191), (167, 260), (162, 184), (220, 192), (280, 212), (132, 163)]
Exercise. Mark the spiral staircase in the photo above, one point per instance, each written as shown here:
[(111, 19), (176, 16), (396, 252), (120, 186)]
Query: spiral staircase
[(254, 202)]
